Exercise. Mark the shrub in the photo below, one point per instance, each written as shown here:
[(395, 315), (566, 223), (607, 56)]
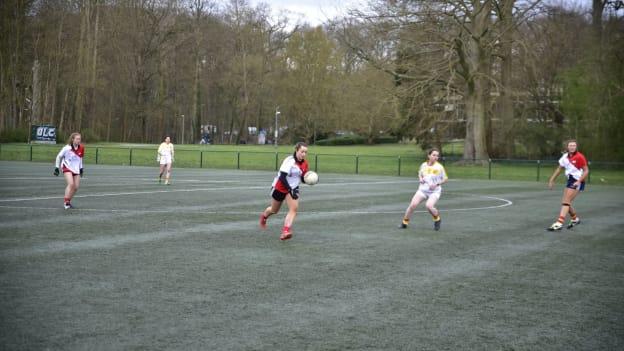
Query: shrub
[(385, 139), (343, 140), (17, 135)]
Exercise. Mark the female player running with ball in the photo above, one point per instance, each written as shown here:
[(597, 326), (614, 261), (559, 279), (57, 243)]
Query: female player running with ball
[(576, 169), (286, 187), (431, 175), (70, 160), (165, 158)]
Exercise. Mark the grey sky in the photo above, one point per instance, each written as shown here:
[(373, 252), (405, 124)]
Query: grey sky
[(314, 12)]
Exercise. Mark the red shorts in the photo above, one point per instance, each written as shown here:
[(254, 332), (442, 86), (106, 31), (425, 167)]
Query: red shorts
[(67, 170)]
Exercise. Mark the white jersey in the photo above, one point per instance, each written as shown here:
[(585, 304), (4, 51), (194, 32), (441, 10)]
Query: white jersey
[(70, 158), (165, 150), (573, 164), (434, 174), (294, 171), (165, 153)]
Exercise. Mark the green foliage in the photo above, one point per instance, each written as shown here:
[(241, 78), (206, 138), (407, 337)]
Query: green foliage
[(17, 135), (355, 140), (343, 140), (386, 139), (89, 136)]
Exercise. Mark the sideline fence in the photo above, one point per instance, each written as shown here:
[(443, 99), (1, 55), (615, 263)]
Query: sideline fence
[(501, 169)]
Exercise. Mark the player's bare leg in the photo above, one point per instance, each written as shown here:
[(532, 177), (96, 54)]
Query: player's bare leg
[(168, 174), (73, 182), (269, 211), (293, 206), (566, 204), (162, 171), (437, 220), (416, 200)]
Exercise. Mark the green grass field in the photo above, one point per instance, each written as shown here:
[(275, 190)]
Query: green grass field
[(140, 266), (394, 159)]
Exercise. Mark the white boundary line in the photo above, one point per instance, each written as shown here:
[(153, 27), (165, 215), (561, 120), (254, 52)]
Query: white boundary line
[(193, 190), (504, 204), (153, 179)]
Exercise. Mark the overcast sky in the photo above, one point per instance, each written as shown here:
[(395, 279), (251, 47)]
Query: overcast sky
[(314, 12)]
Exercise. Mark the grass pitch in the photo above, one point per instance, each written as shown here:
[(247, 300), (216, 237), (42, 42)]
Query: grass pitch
[(140, 266)]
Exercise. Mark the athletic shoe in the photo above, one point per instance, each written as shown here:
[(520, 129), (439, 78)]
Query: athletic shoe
[(286, 234), (263, 221), (555, 226), (68, 206), (167, 182), (402, 226), (436, 224), (574, 222)]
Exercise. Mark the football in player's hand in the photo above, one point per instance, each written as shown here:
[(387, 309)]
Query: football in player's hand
[(310, 178)]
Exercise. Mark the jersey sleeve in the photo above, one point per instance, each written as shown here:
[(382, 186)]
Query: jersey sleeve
[(287, 165), (444, 175), (421, 169), (160, 149), (60, 156)]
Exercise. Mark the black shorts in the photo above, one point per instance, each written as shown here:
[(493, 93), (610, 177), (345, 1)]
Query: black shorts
[(278, 195), (570, 184)]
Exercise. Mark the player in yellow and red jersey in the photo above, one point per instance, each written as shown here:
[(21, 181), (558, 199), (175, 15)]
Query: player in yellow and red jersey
[(431, 175)]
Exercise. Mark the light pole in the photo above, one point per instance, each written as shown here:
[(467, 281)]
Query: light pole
[(182, 116), (277, 113)]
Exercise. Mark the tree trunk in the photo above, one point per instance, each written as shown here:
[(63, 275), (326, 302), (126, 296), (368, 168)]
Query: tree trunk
[(35, 113), (476, 57), (597, 10), (506, 142)]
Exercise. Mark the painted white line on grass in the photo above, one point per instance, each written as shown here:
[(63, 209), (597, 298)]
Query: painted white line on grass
[(178, 180), (505, 203), (110, 242), (195, 190)]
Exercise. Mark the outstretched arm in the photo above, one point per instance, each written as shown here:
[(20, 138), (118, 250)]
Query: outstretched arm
[(554, 176)]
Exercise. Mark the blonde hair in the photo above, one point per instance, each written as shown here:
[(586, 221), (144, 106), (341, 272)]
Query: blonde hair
[(73, 136)]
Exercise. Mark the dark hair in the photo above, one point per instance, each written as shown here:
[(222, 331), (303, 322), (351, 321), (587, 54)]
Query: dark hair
[(299, 145), (70, 141), (432, 150)]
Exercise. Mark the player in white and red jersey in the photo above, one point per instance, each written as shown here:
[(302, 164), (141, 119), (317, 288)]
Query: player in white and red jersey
[(431, 175), (576, 170), (69, 160), (286, 187), (165, 158)]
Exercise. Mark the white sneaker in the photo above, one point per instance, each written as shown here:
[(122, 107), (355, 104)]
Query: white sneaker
[(574, 222), (555, 226)]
